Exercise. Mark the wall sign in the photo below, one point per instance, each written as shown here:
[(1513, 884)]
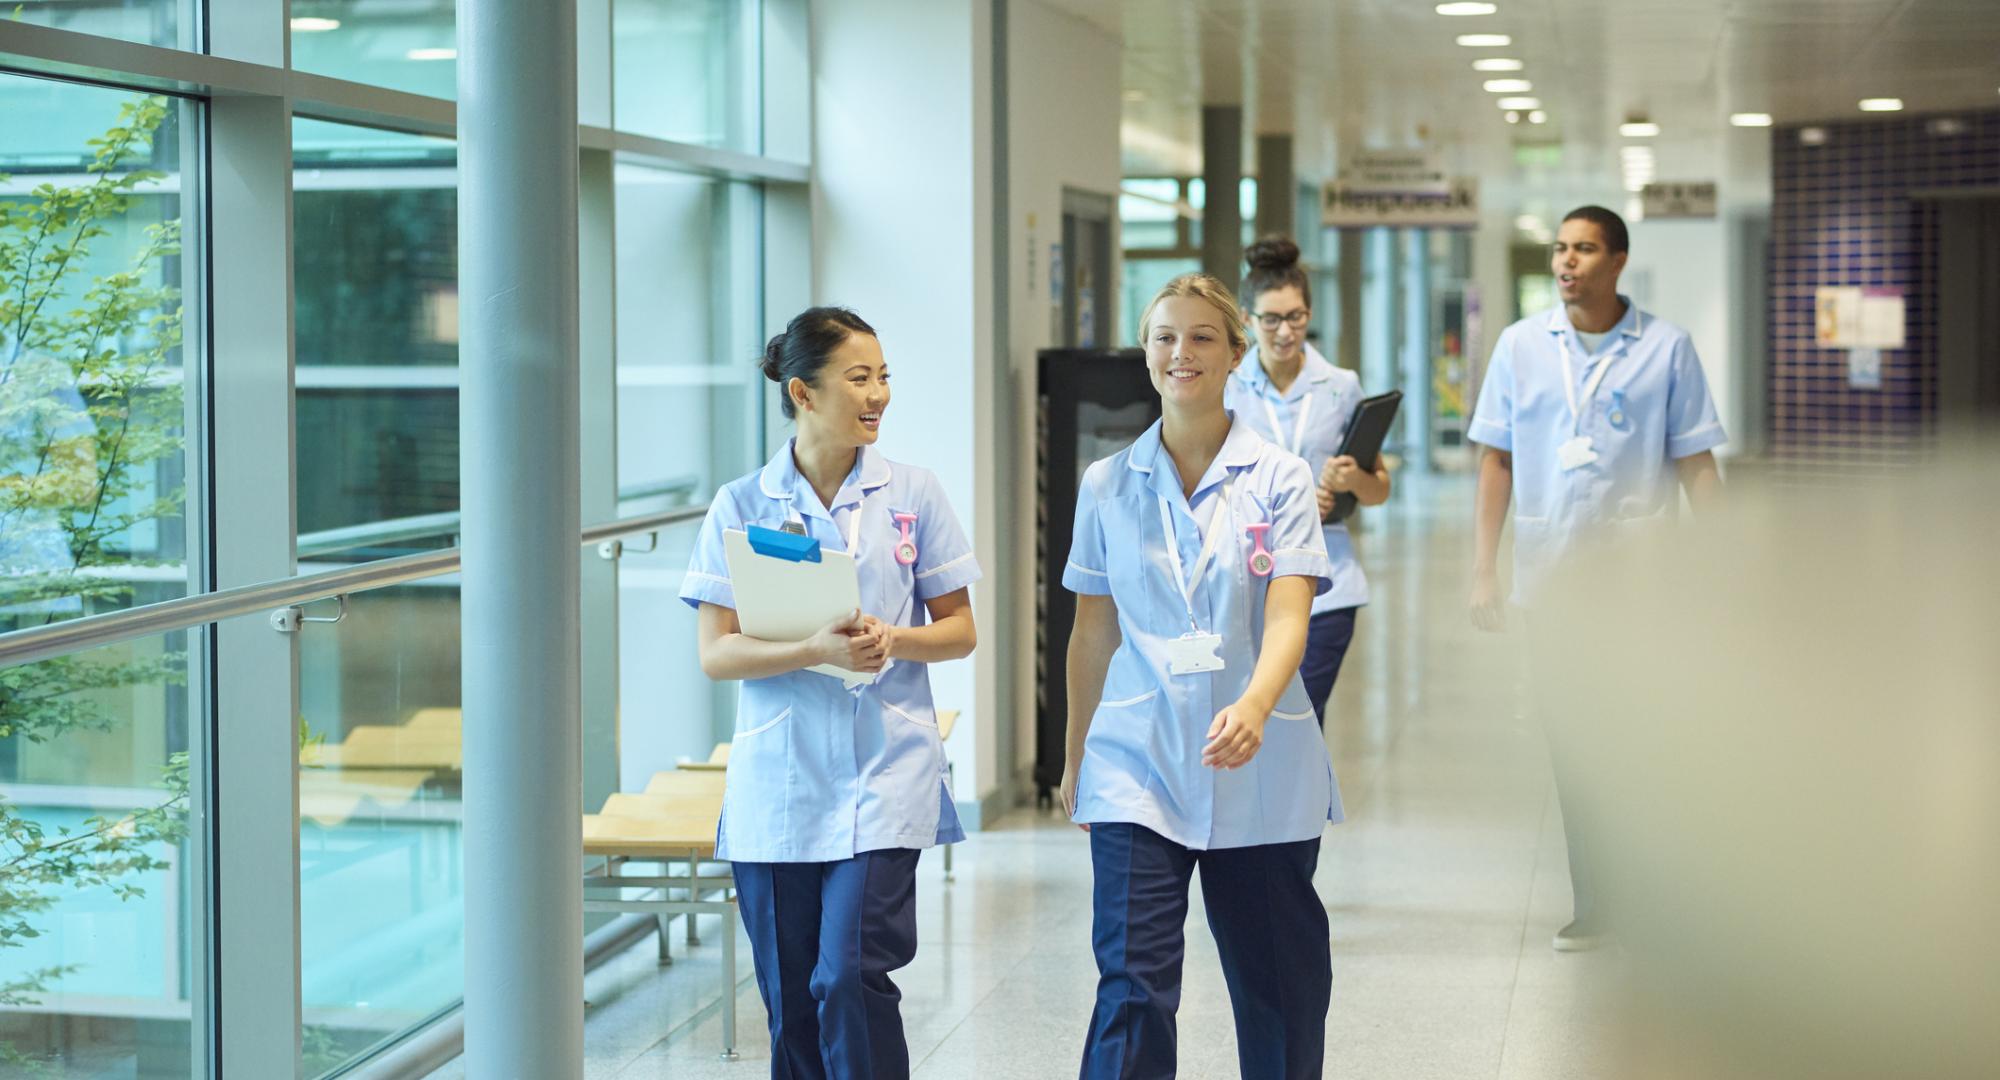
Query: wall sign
[(1689, 199), (1345, 205)]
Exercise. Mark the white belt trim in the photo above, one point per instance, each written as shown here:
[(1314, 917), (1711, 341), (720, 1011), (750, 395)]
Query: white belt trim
[(765, 726), (946, 566), (1140, 700)]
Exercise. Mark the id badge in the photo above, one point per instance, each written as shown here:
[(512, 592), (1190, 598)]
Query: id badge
[(1575, 453), (1192, 654)]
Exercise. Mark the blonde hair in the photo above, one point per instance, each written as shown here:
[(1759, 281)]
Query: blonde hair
[(1201, 287)]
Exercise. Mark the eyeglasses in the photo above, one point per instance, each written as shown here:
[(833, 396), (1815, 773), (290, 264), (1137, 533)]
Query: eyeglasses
[(1297, 320)]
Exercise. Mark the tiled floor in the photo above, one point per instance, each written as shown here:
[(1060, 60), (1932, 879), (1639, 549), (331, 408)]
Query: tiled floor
[(1444, 886)]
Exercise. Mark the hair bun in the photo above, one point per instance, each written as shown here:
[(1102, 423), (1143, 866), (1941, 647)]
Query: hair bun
[(772, 363), (1272, 253)]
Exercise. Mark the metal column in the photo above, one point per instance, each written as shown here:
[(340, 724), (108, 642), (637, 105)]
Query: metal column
[(1222, 177), (519, 460), (1277, 187)]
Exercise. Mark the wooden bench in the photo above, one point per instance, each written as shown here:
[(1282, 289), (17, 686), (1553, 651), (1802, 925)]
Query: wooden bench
[(672, 824)]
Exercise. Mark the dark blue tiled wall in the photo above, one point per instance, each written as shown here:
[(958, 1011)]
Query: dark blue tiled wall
[(1849, 212)]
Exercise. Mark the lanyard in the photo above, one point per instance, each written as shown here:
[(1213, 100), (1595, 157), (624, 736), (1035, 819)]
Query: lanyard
[(1296, 446), (1208, 546), (853, 523), (1589, 392)]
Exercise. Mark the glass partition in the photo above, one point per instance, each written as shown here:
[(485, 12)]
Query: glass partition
[(409, 45)]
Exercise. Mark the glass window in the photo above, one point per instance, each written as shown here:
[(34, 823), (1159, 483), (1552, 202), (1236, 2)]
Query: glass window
[(1143, 278), (690, 407), (689, 71), (407, 45), (381, 896), (375, 263), (167, 23), (1148, 212), (1246, 203)]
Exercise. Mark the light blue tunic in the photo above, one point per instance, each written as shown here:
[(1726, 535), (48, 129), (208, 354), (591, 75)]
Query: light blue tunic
[(1142, 760), (1328, 396), (1650, 408), (818, 773)]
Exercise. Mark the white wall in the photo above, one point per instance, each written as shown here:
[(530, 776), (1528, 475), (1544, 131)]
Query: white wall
[(1063, 120), (902, 232), (1677, 270)]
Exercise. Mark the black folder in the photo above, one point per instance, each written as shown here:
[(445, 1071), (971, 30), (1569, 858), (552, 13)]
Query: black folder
[(1364, 443)]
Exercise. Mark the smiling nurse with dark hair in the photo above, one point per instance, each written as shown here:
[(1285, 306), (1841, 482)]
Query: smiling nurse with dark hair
[(832, 792)]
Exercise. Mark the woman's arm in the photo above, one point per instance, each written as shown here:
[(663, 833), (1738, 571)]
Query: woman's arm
[(1702, 480), (728, 653), (1092, 641), (950, 634), (1238, 731)]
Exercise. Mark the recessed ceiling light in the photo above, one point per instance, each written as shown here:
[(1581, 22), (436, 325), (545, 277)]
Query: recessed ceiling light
[(1508, 86), (431, 54), (306, 24), (1467, 7), (1513, 117), (1638, 129), (1522, 103), (1882, 104), (1750, 119), (1497, 63), (1484, 41), (1538, 117)]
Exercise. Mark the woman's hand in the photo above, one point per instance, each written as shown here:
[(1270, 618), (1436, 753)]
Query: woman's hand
[(843, 643), (1067, 792), (1340, 473), (1235, 737), (1325, 495), (878, 640), (1489, 612)]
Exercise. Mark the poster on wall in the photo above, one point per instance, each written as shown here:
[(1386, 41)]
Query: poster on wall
[(1859, 317), (1864, 369)]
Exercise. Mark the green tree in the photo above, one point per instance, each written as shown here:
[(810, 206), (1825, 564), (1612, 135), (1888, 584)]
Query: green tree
[(90, 405)]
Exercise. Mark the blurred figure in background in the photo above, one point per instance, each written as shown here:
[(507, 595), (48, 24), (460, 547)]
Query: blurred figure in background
[(1594, 415)]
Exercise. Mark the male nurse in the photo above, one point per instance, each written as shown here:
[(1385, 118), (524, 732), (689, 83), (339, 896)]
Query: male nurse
[(1593, 417)]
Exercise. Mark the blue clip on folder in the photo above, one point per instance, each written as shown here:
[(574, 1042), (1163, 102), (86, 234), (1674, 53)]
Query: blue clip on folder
[(782, 545)]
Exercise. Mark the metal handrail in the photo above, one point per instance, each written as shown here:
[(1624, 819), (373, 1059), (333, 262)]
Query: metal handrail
[(96, 631)]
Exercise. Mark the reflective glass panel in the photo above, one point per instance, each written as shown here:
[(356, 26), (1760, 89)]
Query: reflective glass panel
[(167, 23), (409, 45), (689, 71)]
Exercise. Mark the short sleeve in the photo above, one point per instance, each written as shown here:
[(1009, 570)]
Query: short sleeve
[(945, 562), (1296, 541), (1088, 572), (707, 580), (1692, 423), (1493, 417)]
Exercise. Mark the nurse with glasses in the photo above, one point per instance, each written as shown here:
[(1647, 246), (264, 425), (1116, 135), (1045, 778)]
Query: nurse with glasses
[(832, 792), (1191, 745), (1299, 400)]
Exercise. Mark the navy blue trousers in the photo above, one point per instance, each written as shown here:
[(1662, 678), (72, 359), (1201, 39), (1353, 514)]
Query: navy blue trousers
[(1327, 638), (824, 938), (1269, 926)]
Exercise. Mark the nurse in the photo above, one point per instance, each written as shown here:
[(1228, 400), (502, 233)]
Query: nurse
[(1191, 742), (1594, 416), (1296, 398), (833, 793)]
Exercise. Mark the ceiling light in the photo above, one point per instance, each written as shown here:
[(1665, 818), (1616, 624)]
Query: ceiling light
[(1508, 86), (1812, 136), (1528, 223), (1882, 104), (1538, 117), (1638, 129), (1522, 103), (1946, 126), (306, 24), (431, 54), (1635, 210), (1467, 7), (1497, 63), (1485, 41), (1634, 184), (1513, 117), (1750, 119)]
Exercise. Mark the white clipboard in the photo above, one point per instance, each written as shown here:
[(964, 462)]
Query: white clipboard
[(781, 600)]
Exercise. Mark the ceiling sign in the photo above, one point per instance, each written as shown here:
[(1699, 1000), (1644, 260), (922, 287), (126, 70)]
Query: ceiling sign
[(1453, 202), (1394, 171), (1693, 199)]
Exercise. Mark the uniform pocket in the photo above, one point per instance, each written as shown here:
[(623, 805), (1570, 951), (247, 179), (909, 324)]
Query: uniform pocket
[(745, 733), (913, 717)]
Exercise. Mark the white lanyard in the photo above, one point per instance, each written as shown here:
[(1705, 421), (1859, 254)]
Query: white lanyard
[(1297, 445), (853, 522), (1208, 546), (1590, 391)]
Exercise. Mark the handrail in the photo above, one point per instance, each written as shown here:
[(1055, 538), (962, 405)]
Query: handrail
[(445, 523), (96, 631)]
